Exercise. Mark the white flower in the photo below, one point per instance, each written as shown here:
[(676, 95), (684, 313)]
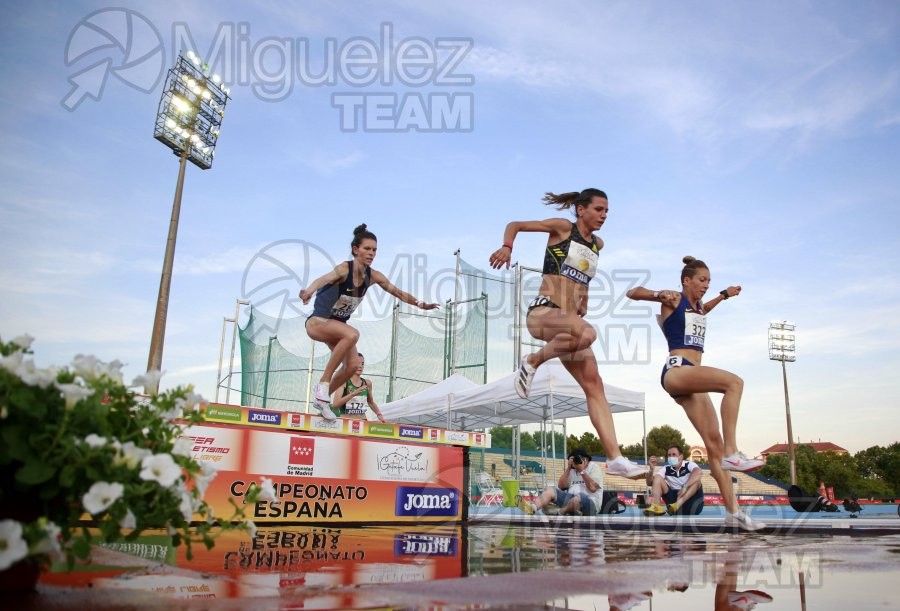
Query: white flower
[(23, 341), (4, 412), (150, 382), (13, 362), (34, 376), (182, 446), (187, 505), (160, 468), (113, 371), (95, 441), (267, 491), (12, 546), (86, 365), (90, 367), (208, 472), (73, 393), (190, 402), (170, 414), (128, 521), (50, 544), (250, 527), (132, 455), (101, 495)]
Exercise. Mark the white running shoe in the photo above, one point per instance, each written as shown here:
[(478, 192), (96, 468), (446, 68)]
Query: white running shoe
[(743, 521), (323, 401), (322, 396), (524, 377), (748, 598), (622, 602), (739, 462), (625, 468)]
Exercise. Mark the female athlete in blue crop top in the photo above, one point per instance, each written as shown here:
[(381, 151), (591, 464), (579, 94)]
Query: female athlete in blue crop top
[(556, 315), (338, 293), (683, 321)]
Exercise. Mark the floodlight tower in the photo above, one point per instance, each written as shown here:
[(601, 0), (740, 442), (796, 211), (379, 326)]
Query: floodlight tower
[(188, 121), (781, 348)]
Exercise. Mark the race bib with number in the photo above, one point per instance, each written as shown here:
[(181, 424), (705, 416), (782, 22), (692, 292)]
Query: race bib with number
[(345, 306), (694, 329), (357, 406), (580, 264)]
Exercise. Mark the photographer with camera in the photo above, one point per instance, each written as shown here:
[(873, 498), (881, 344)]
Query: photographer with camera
[(579, 490)]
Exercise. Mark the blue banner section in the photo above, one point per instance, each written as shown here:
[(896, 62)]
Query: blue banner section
[(412, 432), (260, 417), (433, 502), (424, 544)]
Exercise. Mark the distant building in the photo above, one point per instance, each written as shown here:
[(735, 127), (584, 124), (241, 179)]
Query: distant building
[(696, 453), (818, 446)]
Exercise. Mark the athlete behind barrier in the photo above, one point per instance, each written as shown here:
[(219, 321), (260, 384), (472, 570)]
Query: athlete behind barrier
[(683, 321), (556, 315), (338, 293), (357, 397)]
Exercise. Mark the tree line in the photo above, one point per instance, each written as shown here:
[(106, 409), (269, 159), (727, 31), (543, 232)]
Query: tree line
[(870, 473)]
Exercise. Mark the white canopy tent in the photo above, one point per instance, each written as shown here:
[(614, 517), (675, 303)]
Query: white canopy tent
[(433, 402), (554, 395)]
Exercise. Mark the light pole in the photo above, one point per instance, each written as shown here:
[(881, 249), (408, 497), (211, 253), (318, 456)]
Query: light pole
[(781, 348), (187, 121)]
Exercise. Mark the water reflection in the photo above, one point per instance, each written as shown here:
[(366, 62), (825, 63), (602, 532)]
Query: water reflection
[(327, 568)]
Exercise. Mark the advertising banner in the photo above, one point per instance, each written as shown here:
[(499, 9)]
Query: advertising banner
[(324, 478), (314, 423), (309, 566)]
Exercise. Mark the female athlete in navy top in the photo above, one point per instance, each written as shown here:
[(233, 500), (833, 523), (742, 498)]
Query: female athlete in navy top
[(556, 315), (338, 293), (683, 321)]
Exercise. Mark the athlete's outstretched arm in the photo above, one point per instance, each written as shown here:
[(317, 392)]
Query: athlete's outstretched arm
[(558, 228), (667, 298), (731, 291), (382, 281)]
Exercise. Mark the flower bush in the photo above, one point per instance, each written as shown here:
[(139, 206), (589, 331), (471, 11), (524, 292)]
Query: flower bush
[(78, 448)]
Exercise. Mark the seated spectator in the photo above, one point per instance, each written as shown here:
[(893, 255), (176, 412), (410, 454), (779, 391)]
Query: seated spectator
[(676, 488)]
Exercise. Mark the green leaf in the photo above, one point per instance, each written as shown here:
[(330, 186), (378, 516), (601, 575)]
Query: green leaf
[(67, 476), (16, 443), (35, 472), (81, 547)]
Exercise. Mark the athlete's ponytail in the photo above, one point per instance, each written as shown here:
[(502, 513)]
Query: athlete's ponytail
[(564, 201)]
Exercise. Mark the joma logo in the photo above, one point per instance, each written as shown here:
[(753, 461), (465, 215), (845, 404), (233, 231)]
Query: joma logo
[(419, 501), (264, 417), (426, 501)]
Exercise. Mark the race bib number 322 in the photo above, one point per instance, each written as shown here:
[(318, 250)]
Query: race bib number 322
[(694, 329)]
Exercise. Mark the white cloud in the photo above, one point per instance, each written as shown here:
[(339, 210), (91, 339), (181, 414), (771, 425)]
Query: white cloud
[(328, 164)]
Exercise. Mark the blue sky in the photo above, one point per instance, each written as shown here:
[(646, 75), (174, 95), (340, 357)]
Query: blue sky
[(762, 138)]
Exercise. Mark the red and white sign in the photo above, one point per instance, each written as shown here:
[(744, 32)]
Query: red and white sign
[(303, 451)]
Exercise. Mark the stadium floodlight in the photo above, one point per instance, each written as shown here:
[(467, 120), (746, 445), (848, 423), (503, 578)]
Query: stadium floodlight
[(782, 348), (188, 121)]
